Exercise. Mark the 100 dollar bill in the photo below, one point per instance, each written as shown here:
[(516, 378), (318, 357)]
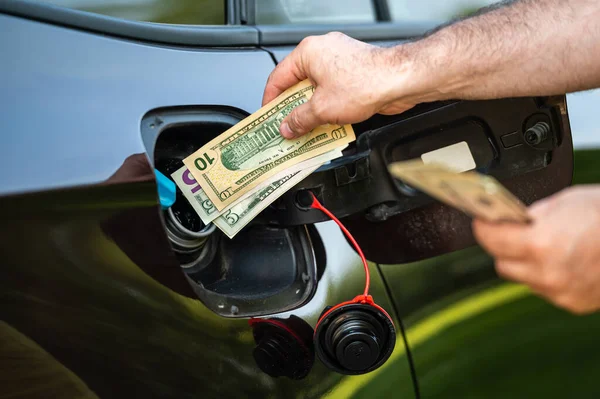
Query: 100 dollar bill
[(252, 152), (238, 215)]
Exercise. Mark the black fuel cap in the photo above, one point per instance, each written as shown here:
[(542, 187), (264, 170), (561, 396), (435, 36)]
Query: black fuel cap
[(273, 354), (355, 339), (357, 347), (284, 347)]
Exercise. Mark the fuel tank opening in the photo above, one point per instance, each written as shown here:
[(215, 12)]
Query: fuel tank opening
[(265, 268)]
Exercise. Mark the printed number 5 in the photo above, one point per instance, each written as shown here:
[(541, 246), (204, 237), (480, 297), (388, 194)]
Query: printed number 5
[(232, 218), (203, 162)]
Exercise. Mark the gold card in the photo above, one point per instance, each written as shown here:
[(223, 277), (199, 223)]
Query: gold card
[(478, 195)]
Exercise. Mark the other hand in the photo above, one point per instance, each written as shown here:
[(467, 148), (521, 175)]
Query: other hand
[(558, 255)]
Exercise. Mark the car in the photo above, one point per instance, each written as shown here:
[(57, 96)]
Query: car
[(105, 292)]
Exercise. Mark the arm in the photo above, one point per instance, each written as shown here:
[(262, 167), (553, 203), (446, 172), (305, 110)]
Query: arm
[(528, 47), (525, 48)]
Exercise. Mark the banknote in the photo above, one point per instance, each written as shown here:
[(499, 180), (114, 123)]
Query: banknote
[(206, 209), (236, 216), (252, 152), (478, 195), (194, 194)]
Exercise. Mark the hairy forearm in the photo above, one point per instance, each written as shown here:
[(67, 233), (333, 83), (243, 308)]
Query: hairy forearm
[(526, 48)]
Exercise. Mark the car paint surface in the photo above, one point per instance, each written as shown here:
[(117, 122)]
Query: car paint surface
[(93, 296)]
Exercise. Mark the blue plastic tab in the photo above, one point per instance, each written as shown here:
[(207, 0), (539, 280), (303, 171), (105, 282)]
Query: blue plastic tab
[(166, 190)]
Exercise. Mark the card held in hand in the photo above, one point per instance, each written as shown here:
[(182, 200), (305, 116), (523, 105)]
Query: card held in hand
[(480, 196)]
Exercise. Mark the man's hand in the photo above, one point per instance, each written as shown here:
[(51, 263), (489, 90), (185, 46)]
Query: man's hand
[(353, 80), (558, 255)]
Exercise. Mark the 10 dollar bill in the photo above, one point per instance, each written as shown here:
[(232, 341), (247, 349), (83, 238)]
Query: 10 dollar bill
[(252, 152)]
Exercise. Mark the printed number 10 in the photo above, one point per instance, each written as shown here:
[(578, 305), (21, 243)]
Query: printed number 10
[(203, 162)]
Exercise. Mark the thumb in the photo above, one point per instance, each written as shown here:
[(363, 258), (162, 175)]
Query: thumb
[(301, 120)]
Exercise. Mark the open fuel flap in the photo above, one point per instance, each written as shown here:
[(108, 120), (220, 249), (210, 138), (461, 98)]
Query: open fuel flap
[(273, 265), (524, 142)]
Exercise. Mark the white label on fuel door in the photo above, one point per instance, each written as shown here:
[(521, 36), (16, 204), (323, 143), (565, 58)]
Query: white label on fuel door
[(456, 156)]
